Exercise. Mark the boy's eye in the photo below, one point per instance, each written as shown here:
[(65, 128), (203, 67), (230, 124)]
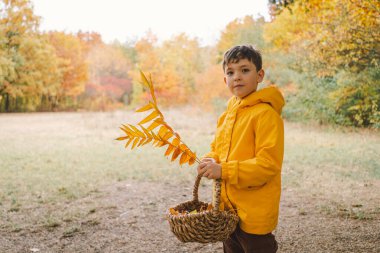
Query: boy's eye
[(245, 70), (229, 73)]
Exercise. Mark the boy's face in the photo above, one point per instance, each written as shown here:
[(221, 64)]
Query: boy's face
[(242, 77)]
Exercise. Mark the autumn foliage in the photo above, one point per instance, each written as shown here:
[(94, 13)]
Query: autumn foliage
[(324, 55)]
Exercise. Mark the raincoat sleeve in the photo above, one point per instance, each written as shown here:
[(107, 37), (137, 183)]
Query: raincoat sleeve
[(213, 152), (269, 150)]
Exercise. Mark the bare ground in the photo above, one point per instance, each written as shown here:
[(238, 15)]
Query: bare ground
[(129, 217)]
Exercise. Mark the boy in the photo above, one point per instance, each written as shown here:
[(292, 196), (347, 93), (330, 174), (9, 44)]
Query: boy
[(247, 153)]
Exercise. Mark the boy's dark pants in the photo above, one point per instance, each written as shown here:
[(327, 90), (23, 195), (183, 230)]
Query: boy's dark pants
[(242, 242)]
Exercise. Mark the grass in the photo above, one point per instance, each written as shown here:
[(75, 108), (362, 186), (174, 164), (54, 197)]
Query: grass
[(52, 158), (322, 156)]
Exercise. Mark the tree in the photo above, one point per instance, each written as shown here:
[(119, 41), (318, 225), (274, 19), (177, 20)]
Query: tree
[(183, 55), (30, 67), (330, 41), (108, 70), (39, 74), (73, 64), (245, 30)]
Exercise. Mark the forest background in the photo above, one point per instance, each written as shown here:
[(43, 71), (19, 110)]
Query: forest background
[(324, 56)]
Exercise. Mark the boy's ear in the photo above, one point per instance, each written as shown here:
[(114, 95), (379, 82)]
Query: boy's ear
[(261, 75), (225, 80)]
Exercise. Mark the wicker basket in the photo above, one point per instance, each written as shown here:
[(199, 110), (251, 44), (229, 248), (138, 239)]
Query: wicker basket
[(205, 226)]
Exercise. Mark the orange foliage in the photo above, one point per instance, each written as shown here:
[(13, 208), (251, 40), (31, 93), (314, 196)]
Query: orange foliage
[(210, 86), (174, 65), (69, 48)]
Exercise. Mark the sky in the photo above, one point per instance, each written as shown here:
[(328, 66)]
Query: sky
[(126, 20)]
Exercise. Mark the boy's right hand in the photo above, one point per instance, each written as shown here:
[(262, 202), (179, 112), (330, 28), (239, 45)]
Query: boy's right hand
[(203, 163)]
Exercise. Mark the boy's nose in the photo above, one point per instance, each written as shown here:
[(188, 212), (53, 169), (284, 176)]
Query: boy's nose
[(236, 77)]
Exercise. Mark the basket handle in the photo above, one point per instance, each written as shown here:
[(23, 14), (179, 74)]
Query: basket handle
[(217, 189)]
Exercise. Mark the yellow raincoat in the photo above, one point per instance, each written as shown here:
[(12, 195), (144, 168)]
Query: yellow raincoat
[(249, 144)]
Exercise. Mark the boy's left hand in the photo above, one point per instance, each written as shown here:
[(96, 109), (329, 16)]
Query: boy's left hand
[(211, 170)]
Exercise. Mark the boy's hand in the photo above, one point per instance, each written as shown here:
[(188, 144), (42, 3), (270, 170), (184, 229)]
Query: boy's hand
[(204, 162), (210, 169)]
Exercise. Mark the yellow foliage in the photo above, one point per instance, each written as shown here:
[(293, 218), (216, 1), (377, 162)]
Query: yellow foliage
[(75, 69), (173, 64), (210, 86), (330, 34)]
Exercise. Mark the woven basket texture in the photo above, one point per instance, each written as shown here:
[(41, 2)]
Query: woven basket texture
[(205, 226)]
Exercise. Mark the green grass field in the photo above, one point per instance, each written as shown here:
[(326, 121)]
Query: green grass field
[(47, 159)]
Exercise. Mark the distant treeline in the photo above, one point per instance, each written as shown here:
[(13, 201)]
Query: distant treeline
[(324, 55)]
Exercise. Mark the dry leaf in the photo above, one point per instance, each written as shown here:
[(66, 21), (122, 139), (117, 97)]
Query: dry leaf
[(135, 143), (169, 150), (144, 80), (122, 138), (184, 158), (176, 153), (129, 142), (151, 116), (145, 108)]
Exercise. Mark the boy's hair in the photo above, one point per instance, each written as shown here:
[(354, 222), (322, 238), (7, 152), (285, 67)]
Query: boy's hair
[(238, 53)]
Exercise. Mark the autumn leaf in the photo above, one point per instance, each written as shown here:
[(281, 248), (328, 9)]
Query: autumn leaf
[(144, 80), (184, 158), (151, 116), (129, 142), (137, 131), (176, 153), (122, 138), (169, 150), (154, 124), (145, 108)]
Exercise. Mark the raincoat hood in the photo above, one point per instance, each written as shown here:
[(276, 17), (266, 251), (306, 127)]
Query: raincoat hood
[(270, 95)]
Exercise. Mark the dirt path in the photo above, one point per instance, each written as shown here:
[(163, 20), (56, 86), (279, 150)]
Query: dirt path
[(129, 217)]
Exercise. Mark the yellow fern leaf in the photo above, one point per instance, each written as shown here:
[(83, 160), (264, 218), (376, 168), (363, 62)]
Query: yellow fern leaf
[(137, 131), (176, 142), (159, 143), (126, 130), (129, 142), (155, 123), (176, 153), (170, 129), (162, 143), (146, 131), (184, 158), (192, 161), (141, 142), (145, 108), (154, 136), (159, 112), (162, 131), (135, 142), (169, 150), (151, 116), (147, 141), (183, 147), (152, 89), (167, 135), (122, 138), (144, 80)]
